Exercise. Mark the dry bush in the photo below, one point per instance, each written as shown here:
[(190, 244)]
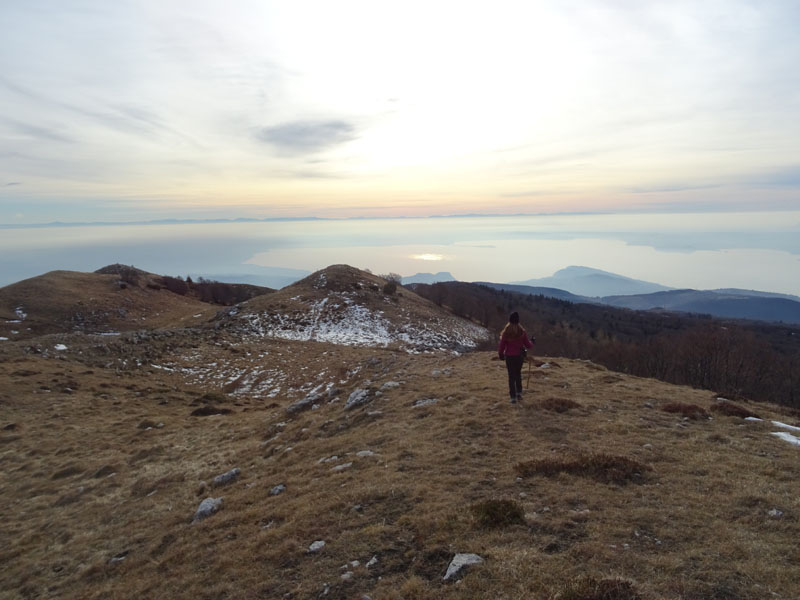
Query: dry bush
[(690, 411), (730, 409), (600, 467), (589, 588), (209, 411), (213, 398), (559, 405), (498, 513)]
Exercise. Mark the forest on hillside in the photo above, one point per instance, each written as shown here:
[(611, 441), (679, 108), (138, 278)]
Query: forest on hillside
[(736, 359)]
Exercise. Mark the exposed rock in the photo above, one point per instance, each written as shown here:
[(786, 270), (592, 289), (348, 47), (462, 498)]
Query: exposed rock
[(342, 467), (228, 477), (425, 402), (207, 508), (278, 489), (775, 513), (459, 563), (305, 403), (357, 398), (347, 576), (372, 562), (365, 453), (316, 546), (390, 385)]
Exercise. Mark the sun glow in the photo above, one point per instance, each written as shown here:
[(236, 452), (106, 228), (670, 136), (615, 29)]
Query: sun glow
[(429, 257)]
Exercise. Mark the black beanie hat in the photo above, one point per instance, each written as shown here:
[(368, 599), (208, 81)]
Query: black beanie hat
[(513, 317)]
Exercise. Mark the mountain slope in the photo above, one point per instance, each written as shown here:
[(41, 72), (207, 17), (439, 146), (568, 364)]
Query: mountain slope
[(724, 305), (347, 306), (537, 291), (599, 485), (585, 281)]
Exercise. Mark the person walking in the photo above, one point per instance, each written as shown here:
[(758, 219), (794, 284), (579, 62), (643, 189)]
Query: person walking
[(513, 343)]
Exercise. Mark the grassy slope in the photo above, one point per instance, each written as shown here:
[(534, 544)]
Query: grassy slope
[(68, 301), (695, 526)]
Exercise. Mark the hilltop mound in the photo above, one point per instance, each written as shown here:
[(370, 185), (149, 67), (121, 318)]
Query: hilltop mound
[(64, 301), (343, 305)]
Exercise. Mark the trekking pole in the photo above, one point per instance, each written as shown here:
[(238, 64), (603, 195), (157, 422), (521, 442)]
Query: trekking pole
[(528, 382)]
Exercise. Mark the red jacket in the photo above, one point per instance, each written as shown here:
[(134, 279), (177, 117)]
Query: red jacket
[(514, 347)]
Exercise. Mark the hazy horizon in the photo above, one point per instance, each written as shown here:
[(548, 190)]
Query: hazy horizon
[(757, 250)]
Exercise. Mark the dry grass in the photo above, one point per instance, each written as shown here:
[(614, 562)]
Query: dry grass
[(99, 507), (729, 409), (600, 467), (690, 411), (498, 513), (559, 405)]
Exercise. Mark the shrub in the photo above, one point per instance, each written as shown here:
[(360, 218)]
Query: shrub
[(600, 467), (559, 405), (389, 288), (498, 513), (732, 410), (691, 411)]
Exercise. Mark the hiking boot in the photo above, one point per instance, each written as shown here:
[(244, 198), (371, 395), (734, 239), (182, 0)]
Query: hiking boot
[(513, 400), (518, 399)]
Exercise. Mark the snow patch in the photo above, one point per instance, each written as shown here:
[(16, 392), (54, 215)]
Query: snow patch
[(787, 437), (60, 347)]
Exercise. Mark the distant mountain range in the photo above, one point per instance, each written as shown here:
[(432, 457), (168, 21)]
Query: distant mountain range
[(594, 286), (585, 281), (429, 277)]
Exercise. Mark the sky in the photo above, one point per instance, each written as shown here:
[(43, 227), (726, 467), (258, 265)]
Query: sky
[(135, 110)]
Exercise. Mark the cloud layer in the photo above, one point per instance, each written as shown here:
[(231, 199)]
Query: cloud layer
[(430, 108)]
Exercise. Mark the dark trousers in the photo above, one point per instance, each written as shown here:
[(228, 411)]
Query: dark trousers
[(514, 366)]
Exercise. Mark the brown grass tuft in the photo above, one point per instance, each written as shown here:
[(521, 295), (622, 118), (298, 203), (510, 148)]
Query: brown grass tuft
[(589, 588), (730, 409), (559, 405), (600, 467), (498, 513), (690, 411)]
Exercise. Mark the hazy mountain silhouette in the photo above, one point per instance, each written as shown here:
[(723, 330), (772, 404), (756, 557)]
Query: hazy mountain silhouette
[(586, 281)]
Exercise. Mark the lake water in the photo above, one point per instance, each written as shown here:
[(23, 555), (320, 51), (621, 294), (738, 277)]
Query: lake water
[(753, 250)]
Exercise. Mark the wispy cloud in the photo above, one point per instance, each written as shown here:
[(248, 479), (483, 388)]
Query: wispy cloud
[(35, 131), (307, 137), (12, 183)]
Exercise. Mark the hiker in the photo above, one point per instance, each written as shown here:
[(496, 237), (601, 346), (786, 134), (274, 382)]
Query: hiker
[(513, 344)]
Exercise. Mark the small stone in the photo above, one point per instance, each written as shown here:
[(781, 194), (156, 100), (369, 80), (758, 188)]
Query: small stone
[(390, 385), (207, 508), (459, 563), (372, 562), (342, 467), (355, 563), (278, 489), (648, 446), (228, 477), (316, 546), (775, 513), (365, 453), (347, 576), (119, 557)]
